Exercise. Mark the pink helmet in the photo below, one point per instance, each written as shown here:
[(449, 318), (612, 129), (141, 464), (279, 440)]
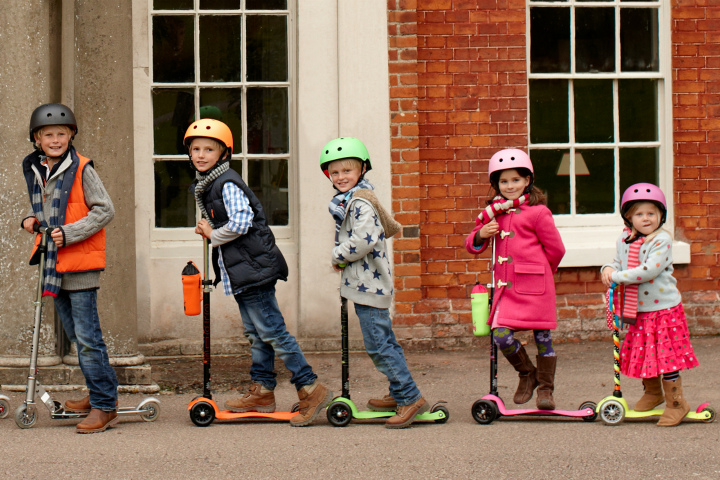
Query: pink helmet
[(509, 158), (643, 192)]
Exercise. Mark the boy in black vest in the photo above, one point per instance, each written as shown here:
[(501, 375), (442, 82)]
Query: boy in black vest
[(249, 262)]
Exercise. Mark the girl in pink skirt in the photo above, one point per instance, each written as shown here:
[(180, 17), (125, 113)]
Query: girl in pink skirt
[(657, 342)]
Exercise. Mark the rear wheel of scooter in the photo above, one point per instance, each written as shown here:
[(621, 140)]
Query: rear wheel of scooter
[(150, 410), (612, 412), (295, 408), (446, 413), (25, 416), (4, 408), (339, 414), (202, 414), (711, 411), (589, 418), (484, 411)]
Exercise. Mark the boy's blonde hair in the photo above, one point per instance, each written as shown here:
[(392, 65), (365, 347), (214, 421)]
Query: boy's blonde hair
[(218, 145), (38, 133), (631, 211), (349, 162)]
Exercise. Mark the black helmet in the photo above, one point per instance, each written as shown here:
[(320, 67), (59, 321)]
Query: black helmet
[(52, 114)]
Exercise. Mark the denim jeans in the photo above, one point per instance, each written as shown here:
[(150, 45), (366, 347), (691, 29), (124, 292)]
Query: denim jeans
[(79, 316), (386, 353), (268, 335)]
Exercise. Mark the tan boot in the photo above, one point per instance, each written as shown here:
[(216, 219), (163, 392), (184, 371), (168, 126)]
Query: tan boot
[(676, 407), (97, 421), (385, 404), (313, 398), (526, 371), (653, 395), (78, 406), (256, 400), (546, 379), (406, 414)]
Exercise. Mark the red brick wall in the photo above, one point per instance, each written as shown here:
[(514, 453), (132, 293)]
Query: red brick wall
[(458, 88)]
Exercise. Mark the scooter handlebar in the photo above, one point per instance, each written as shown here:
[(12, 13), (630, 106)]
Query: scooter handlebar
[(39, 229)]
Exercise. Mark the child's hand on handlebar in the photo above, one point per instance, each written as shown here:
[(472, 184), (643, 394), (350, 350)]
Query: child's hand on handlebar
[(606, 276), (203, 228), (489, 229)]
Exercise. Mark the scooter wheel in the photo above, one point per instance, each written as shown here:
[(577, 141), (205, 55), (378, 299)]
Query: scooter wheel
[(25, 416), (446, 413), (612, 412), (202, 414), (711, 411), (484, 412), (339, 414), (150, 410), (4, 408), (589, 418)]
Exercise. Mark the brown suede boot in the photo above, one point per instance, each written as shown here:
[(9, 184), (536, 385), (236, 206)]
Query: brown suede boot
[(313, 398), (406, 414), (97, 421), (653, 395), (676, 407), (546, 379), (526, 371), (385, 404), (78, 406), (254, 401)]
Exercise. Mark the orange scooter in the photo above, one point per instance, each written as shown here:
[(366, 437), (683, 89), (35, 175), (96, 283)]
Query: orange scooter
[(203, 409)]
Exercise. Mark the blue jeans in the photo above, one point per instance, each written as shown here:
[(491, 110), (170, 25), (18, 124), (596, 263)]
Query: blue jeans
[(386, 353), (268, 335), (79, 316)]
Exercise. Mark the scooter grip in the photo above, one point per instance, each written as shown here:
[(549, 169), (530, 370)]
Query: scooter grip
[(39, 228)]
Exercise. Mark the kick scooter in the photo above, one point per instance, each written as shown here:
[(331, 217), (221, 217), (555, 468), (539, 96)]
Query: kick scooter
[(491, 406), (614, 408), (203, 410), (26, 414), (342, 410)]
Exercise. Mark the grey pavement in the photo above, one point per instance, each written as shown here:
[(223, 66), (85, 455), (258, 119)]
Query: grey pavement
[(172, 447)]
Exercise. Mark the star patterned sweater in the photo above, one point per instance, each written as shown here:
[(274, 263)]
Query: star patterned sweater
[(366, 279)]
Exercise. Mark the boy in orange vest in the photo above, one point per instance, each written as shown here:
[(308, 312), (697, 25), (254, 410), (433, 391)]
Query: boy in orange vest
[(67, 195)]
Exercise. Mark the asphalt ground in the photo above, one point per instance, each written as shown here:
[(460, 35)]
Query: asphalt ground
[(508, 448)]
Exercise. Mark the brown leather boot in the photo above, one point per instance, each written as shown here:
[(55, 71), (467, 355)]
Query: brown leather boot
[(385, 404), (313, 398), (97, 421), (676, 407), (406, 414), (546, 379), (254, 401), (78, 406), (653, 395), (526, 371)]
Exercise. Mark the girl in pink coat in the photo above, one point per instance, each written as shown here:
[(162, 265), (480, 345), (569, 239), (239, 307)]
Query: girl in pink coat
[(528, 250)]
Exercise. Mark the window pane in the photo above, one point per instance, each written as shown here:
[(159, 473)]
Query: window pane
[(173, 49), (594, 40), (219, 4), (595, 190), (556, 187), (267, 48), (593, 111), (173, 4), (266, 4), (268, 179), (173, 111), (174, 206), (549, 40), (267, 120), (639, 39), (638, 165), (220, 56), (549, 111), (227, 104), (638, 104)]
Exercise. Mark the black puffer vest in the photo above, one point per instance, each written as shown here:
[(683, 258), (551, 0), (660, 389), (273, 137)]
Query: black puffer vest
[(252, 259)]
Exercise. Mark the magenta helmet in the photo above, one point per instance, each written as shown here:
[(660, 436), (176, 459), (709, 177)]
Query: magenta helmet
[(643, 192)]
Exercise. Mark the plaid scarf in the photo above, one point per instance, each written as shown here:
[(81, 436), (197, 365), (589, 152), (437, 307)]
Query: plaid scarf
[(53, 279), (339, 202), (499, 205), (203, 180)]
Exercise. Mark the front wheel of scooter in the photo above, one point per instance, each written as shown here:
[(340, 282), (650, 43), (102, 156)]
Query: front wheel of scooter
[(612, 412), (202, 414), (4, 408), (25, 416), (339, 414), (484, 411)]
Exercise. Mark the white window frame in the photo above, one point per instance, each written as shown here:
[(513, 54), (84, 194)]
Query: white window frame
[(590, 238), (161, 235)]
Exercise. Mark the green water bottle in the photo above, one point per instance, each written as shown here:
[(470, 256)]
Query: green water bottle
[(479, 301)]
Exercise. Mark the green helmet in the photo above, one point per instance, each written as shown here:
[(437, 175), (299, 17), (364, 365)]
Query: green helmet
[(341, 148)]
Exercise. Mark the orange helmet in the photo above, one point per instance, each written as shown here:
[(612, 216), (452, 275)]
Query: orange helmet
[(210, 128)]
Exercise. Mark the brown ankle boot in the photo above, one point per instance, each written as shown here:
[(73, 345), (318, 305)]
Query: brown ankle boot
[(97, 421), (385, 404), (406, 414), (254, 401), (526, 371), (546, 379), (676, 407), (78, 406), (313, 398), (653, 395)]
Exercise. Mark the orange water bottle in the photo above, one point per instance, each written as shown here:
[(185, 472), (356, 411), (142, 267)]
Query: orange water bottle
[(479, 302), (192, 289)]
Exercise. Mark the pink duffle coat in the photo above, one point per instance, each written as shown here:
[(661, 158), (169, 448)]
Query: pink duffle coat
[(528, 250)]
